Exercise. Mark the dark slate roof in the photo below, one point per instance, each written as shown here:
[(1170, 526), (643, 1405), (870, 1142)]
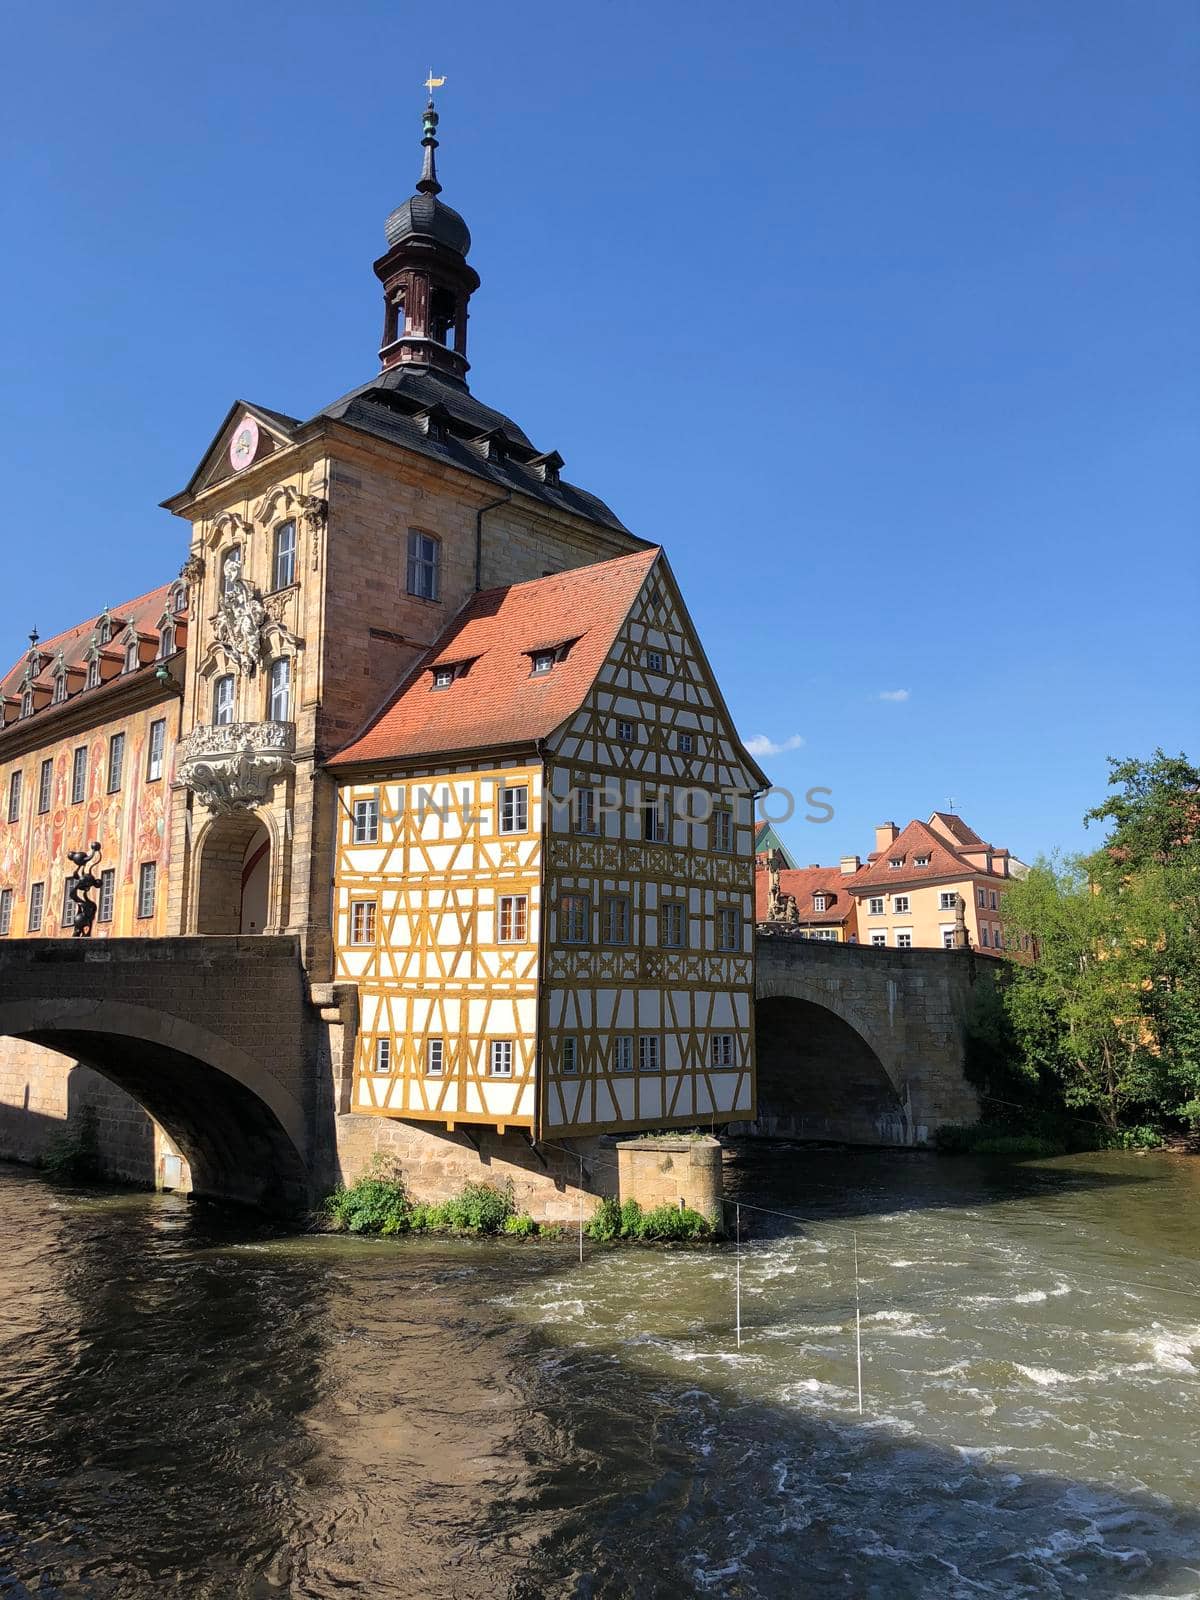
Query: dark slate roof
[(426, 217), (389, 406)]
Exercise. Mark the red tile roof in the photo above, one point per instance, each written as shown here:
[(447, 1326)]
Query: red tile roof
[(919, 839), (804, 883), (144, 613), (498, 700)]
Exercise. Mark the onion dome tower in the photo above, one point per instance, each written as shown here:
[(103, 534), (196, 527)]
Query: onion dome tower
[(426, 279)]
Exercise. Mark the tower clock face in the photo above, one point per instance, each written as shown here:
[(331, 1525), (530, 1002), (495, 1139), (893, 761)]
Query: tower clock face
[(244, 444)]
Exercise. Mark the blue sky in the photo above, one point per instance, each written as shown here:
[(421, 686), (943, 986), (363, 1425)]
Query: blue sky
[(881, 317)]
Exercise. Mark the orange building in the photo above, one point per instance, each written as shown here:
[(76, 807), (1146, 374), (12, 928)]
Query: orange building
[(932, 884), (90, 723)]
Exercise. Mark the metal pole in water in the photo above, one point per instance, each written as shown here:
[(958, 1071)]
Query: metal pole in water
[(737, 1225), (857, 1324), (581, 1211)]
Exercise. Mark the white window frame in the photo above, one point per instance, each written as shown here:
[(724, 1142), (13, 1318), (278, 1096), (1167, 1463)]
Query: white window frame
[(443, 676), (948, 900), (6, 911), (156, 746), (147, 890), (67, 917), (649, 1053), (79, 774), (383, 1054), (424, 570), (901, 905), (435, 1058), (904, 938), (283, 556), (720, 1050), (365, 821), (514, 808), (279, 690), (818, 902), (895, 861), (722, 829), (949, 938), (369, 920), (878, 938), (875, 906), (921, 861), (685, 743), (543, 662), (623, 1053), (513, 908), (224, 696), (16, 792), (500, 1058), (626, 731), (656, 818), (107, 898), (37, 905), (116, 763)]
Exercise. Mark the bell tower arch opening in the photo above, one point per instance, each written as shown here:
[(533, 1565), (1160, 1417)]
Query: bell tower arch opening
[(233, 888)]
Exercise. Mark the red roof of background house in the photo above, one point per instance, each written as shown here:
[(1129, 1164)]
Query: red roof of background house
[(498, 700), (144, 613), (919, 839), (804, 883)]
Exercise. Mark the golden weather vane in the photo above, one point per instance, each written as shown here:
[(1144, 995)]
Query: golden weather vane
[(432, 83)]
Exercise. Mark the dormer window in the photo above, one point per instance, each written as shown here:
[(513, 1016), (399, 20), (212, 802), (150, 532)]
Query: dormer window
[(818, 902), (132, 656), (60, 687), (93, 673), (445, 673), (896, 861), (104, 627), (544, 658), (177, 598), (27, 703), (920, 861), (543, 661), (166, 640)]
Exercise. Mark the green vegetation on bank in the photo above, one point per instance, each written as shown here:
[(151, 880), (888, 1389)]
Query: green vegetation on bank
[(661, 1224), (380, 1203), (1093, 1042)]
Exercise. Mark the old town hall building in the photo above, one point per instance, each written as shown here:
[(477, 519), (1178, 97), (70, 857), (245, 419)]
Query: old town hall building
[(421, 702)]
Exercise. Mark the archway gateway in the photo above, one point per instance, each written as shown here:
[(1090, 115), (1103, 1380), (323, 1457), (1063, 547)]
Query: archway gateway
[(819, 1079), (233, 868)]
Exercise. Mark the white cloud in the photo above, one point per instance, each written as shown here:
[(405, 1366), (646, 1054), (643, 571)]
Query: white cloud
[(760, 745), (893, 694)]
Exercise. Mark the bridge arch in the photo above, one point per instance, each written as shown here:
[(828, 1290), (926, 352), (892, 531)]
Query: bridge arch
[(242, 1132), (825, 1070)]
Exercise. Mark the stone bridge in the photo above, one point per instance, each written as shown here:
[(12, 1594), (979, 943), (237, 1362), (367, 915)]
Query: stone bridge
[(217, 1038), (862, 1045)]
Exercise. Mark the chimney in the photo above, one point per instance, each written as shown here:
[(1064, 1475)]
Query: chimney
[(885, 836), (849, 865)]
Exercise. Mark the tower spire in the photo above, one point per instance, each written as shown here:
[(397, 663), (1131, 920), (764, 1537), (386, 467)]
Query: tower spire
[(428, 183)]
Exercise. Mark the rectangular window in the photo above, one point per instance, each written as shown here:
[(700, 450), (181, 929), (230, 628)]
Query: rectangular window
[(366, 822), (685, 743), (223, 701), (899, 903), (435, 1058), (655, 810), (721, 1050), (896, 861), (383, 1055), (624, 1056), (108, 894), (45, 785), (616, 919), (920, 861), (875, 905), (573, 919), (543, 661), (818, 902), (903, 938), (147, 882), (722, 829), (586, 818), (116, 762), (654, 661), (284, 563), (672, 921), (729, 928), (279, 696), (155, 747), (648, 1053), (362, 922), (514, 810), (424, 561), (500, 1058), (948, 900), (948, 938), (879, 938), (984, 938), (994, 902), (37, 904), (79, 774), (14, 796), (514, 919), (981, 897), (67, 916), (443, 677), (6, 905), (625, 730), (570, 1055), (998, 938)]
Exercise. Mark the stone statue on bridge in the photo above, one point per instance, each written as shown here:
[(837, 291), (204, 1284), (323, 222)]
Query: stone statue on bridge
[(80, 886)]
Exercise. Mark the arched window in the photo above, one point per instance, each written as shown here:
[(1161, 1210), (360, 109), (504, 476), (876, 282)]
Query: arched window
[(231, 568), (133, 658), (166, 640), (60, 687), (93, 673), (223, 701), (279, 700), (283, 566), (177, 598), (27, 703)]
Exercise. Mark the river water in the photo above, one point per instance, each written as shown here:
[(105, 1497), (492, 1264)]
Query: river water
[(193, 1405)]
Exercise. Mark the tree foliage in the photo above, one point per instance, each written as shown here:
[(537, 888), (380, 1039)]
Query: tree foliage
[(1109, 1006)]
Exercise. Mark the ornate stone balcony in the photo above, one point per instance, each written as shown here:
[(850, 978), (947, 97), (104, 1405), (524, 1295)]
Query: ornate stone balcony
[(232, 767)]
